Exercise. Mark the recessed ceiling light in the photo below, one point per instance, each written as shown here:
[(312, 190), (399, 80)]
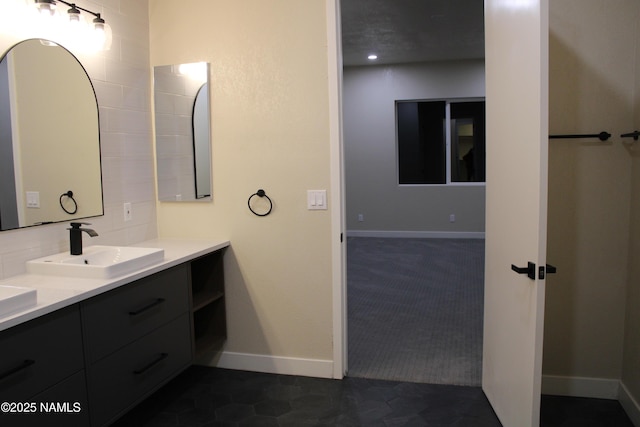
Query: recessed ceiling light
[(372, 57)]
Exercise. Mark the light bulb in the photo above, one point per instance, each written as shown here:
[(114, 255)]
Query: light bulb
[(98, 27), (46, 7), (74, 15), (102, 35)]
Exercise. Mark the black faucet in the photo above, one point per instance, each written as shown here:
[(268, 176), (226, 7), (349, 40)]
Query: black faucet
[(75, 236)]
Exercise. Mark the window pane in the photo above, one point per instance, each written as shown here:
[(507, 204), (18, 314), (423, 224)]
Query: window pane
[(421, 142), (467, 142)]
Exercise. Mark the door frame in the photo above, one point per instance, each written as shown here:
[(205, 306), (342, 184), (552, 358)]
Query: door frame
[(338, 202), (337, 193)]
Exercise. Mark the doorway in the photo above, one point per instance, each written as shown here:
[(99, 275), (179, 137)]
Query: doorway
[(415, 309), (398, 251)]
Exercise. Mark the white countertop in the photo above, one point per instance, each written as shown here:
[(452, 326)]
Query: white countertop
[(56, 292)]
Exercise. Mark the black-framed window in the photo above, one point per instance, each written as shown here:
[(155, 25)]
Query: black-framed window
[(441, 142)]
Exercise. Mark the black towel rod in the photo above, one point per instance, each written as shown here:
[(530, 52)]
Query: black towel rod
[(633, 135), (603, 136)]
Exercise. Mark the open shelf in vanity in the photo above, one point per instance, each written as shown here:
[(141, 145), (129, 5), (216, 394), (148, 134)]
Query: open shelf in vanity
[(209, 326)]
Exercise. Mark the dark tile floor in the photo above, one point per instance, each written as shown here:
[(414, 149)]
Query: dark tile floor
[(210, 397)]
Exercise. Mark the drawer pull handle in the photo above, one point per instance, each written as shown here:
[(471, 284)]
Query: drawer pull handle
[(24, 365), (146, 307), (144, 369)]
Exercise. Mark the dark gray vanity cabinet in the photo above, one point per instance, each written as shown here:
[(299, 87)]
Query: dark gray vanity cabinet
[(42, 364), (116, 318), (137, 337), (104, 355)]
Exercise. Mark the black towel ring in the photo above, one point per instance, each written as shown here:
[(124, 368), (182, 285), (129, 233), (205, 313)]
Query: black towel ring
[(260, 193), (69, 195)]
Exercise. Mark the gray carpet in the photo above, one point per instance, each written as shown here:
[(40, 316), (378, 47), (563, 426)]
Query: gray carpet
[(415, 309)]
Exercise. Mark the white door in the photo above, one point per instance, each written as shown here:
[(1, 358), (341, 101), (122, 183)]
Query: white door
[(516, 42)]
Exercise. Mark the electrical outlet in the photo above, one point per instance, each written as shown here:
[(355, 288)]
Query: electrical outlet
[(360, 217), (127, 212), (452, 218)]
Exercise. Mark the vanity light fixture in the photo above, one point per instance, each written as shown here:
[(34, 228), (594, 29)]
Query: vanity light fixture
[(101, 30), (46, 7), (74, 14)]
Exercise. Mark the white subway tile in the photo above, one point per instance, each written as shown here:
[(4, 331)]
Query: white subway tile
[(108, 94), (121, 78), (136, 98), (129, 121)]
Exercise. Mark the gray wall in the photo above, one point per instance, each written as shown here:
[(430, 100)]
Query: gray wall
[(370, 152)]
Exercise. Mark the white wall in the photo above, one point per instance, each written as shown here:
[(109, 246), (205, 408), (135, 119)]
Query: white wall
[(121, 77), (270, 129), (370, 150), (592, 75)]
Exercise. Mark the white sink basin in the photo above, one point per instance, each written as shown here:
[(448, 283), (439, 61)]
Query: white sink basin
[(15, 298), (97, 262)]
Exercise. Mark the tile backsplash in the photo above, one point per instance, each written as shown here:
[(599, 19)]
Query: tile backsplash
[(122, 81)]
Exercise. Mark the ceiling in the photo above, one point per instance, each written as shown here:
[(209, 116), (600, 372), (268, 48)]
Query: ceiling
[(401, 31)]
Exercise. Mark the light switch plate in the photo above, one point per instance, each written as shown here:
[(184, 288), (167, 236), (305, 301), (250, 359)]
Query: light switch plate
[(317, 199), (33, 199)]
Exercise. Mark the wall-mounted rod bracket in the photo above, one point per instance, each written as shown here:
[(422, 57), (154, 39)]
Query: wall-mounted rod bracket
[(633, 135), (602, 136)]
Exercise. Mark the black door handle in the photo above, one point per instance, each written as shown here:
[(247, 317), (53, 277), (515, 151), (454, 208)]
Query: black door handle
[(550, 269), (529, 270)]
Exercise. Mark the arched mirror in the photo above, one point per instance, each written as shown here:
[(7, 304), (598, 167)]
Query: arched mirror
[(201, 146), (182, 131), (49, 137)]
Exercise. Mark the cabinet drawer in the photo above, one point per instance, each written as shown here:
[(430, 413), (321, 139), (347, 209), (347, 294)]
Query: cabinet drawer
[(40, 353), (119, 317), (129, 375)]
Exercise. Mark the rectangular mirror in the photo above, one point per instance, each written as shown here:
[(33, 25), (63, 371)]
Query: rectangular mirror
[(183, 132)]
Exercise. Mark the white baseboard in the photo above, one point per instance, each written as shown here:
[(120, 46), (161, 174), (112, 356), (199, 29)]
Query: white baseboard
[(270, 364), (417, 234), (630, 405), (600, 388)]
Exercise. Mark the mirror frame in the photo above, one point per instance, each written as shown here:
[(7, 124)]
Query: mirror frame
[(68, 205)]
